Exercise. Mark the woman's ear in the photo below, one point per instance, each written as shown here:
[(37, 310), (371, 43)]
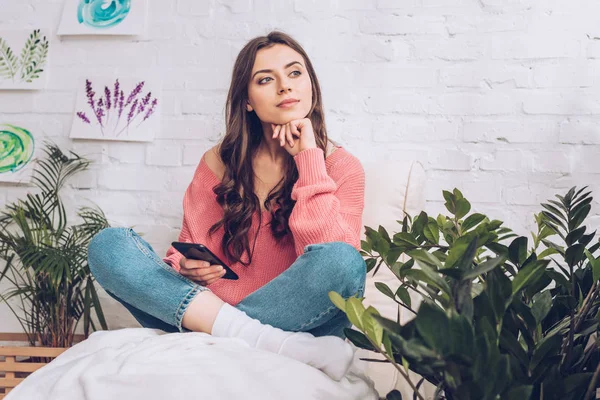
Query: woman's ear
[(249, 107)]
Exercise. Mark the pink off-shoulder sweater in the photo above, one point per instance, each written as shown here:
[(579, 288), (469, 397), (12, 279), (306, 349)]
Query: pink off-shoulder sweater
[(329, 195)]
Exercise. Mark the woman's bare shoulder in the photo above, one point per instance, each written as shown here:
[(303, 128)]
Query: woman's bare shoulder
[(214, 162), (331, 147)]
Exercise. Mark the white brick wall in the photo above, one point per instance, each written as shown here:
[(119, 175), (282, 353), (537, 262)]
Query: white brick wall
[(499, 98)]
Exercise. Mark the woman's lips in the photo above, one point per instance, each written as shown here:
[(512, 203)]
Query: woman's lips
[(290, 104)]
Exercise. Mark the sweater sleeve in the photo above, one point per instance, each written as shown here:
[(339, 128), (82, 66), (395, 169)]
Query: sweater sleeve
[(326, 210)]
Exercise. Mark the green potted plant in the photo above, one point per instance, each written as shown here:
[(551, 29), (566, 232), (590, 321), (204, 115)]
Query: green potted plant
[(46, 259), (499, 317)]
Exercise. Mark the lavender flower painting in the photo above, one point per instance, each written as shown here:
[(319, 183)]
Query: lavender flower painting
[(123, 109), (103, 17)]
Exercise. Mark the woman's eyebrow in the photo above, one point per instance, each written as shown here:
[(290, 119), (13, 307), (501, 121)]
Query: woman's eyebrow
[(270, 70)]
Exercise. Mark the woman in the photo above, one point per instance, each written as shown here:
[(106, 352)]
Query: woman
[(275, 181)]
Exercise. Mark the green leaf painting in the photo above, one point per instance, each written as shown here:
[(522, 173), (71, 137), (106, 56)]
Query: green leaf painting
[(16, 150), (26, 67)]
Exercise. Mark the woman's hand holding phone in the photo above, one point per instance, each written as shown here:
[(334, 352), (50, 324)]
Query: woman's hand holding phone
[(200, 271)]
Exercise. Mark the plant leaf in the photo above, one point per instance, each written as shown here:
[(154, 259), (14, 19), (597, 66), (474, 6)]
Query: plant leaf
[(403, 295), (574, 254), (372, 328), (550, 345), (555, 211), (337, 300), (433, 325), (385, 289), (484, 267), (542, 302), (471, 221), (579, 216), (430, 276), (404, 238), (432, 233), (517, 250), (358, 339), (462, 208), (425, 257), (354, 311), (528, 274), (575, 235), (595, 263), (522, 392)]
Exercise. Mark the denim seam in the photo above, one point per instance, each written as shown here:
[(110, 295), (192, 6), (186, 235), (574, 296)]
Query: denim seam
[(321, 315), (317, 317), (184, 304), (324, 313)]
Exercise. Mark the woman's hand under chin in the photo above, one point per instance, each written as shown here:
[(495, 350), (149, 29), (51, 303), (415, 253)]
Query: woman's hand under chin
[(295, 136)]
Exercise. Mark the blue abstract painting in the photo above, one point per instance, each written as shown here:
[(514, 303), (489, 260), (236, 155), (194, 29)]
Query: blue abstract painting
[(102, 13), (103, 17)]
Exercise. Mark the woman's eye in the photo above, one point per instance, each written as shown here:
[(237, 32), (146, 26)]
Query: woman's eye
[(260, 82)]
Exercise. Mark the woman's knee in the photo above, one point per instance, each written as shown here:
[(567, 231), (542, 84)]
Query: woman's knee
[(347, 266), (103, 248)]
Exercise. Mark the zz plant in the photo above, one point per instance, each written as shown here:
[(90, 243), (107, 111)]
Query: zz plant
[(500, 318), (46, 260)]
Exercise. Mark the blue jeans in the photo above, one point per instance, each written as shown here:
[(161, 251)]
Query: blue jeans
[(157, 296)]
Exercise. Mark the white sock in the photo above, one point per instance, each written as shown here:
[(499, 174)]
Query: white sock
[(330, 354)]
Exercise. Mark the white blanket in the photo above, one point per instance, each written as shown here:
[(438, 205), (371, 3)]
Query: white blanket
[(139, 363)]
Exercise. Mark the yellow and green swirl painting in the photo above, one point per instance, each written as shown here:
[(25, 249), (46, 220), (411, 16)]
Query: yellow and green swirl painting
[(16, 148), (102, 13)]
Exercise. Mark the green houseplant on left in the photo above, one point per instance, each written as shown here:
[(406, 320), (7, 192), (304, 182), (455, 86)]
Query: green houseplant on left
[(46, 259)]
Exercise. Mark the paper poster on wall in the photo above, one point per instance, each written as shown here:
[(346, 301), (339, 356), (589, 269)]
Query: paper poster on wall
[(103, 17), (17, 147), (124, 109), (23, 59)]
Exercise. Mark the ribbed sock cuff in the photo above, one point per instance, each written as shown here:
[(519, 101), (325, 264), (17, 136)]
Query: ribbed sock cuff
[(226, 314)]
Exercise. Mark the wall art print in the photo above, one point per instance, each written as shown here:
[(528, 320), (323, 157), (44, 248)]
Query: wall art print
[(103, 17), (17, 146), (23, 59), (123, 109)]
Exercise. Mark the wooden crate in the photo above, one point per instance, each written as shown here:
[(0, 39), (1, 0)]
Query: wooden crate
[(18, 362)]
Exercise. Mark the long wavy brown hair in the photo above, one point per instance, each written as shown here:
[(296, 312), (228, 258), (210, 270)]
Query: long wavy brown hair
[(237, 149)]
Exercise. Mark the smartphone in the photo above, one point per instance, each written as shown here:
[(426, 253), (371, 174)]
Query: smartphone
[(197, 251)]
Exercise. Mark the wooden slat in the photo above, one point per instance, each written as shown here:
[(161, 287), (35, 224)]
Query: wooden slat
[(9, 374), (10, 382), (13, 372), (32, 351), (10, 367), (22, 337)]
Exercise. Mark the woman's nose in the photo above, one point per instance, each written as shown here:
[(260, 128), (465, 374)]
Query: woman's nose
[(284, 87)]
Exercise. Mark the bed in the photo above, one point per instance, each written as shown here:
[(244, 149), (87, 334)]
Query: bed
[(141, 363)]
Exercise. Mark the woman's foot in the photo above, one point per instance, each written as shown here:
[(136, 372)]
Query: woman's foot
[(329, 354)]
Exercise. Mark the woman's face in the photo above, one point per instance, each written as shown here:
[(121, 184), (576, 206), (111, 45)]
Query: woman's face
[(279, 73)]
